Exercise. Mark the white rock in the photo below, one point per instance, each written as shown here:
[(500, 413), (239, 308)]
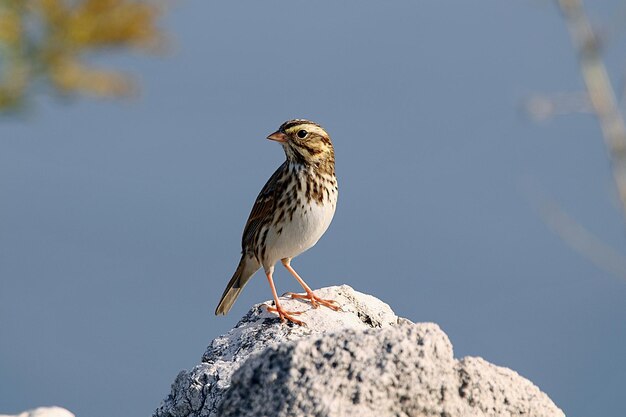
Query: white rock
[(43, 412), (363, 361)]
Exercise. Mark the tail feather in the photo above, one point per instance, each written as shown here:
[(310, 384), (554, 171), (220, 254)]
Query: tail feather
[(246, 268)]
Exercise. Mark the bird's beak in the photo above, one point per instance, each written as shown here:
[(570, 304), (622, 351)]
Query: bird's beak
[(278, 136)]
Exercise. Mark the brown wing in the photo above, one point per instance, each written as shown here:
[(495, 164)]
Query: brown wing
[(263, 208)]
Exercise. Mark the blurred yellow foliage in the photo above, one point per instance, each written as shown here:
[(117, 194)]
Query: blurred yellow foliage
[(49, 39)]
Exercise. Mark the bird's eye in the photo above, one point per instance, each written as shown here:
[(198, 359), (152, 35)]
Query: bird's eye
[(302, 134)]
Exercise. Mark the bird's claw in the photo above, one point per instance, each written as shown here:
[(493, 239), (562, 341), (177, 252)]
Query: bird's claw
[(286, 315), (316, 301)]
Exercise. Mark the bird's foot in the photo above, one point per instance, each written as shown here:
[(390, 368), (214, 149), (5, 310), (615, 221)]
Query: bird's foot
[(285, 315), (316, 301)]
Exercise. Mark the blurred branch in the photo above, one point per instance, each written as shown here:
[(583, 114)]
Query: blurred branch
[(599, 89), (599, 99), (48, 41)]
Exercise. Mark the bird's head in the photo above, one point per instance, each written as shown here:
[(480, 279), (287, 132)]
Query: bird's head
[(305, 142)]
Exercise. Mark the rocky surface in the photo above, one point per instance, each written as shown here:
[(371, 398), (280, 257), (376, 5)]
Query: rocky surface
[(43, 412), (363, 361)]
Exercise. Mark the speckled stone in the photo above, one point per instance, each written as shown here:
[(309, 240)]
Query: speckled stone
[(363, 361)]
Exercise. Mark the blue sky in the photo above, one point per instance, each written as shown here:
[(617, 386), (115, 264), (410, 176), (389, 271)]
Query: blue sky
[(121, 221)]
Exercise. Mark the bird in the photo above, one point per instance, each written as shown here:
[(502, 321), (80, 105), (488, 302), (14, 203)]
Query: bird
[(290, 214)]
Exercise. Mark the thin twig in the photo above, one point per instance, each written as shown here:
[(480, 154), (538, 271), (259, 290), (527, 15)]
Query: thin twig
[(582, 241), (574, 234)]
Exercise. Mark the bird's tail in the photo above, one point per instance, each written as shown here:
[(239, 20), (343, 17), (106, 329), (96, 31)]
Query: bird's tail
[(247, 267)]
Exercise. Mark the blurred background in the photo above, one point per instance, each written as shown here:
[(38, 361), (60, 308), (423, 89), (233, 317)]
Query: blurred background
[(121, 220)]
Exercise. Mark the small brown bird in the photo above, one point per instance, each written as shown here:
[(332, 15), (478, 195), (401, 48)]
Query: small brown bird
[(291, 213)]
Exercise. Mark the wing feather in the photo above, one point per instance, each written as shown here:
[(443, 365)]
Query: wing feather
[(263, 208)]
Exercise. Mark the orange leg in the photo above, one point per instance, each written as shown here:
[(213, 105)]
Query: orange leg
[(283, 314), (314, 299)]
